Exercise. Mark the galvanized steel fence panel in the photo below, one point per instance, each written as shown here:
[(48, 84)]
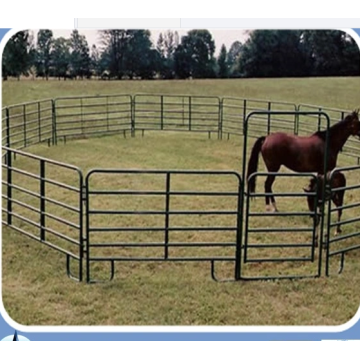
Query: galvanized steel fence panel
[(27, 124), (42, 199), (91, 115), (235, 111), (154, 215), (339, 244), (176, 113)]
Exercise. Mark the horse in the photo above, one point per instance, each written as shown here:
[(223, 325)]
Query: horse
[(338, 180), (299, 153)]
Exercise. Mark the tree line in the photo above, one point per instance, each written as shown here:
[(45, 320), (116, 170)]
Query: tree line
[(130, 54)]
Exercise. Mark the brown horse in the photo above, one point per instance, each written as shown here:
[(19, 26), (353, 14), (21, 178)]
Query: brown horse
[(338, 180), (299, 153)]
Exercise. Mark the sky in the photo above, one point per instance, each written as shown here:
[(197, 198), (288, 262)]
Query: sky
[(220, 37)]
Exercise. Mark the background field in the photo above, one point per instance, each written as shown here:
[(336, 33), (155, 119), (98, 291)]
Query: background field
[(37, 291)]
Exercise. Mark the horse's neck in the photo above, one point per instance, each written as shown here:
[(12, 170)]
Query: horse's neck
[(337, 139)]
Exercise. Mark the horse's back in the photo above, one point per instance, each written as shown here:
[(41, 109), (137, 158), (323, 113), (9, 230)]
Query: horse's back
[(298, 153)]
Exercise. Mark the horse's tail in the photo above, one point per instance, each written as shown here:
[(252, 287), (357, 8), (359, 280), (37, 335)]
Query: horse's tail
[(253, 163)]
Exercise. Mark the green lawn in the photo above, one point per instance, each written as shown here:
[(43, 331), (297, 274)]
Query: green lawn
[(36, 290)]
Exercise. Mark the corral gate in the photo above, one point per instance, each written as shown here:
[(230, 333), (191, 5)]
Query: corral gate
[(286, 252), (153, 215)]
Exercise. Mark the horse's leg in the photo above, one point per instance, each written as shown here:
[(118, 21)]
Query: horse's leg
[(338, 201), (268, 189)]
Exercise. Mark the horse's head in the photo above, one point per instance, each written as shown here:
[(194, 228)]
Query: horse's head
[(354, 123), (312, 187)]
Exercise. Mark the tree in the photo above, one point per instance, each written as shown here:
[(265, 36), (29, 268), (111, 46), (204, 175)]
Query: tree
[(194, 57), (114, 43), (97, 67), (80, 58), (223, 71), (273, 53), (140, 58), (331, 52), (233, 58), (61, 57), (166, 45), (17, 55), (43, 52)]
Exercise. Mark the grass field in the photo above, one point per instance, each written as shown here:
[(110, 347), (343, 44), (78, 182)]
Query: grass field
[(36, 290)]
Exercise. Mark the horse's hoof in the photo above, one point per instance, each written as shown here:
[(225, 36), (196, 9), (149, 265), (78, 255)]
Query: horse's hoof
[(268, 208)]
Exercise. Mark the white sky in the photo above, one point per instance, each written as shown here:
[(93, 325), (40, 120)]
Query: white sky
[(220, 37)]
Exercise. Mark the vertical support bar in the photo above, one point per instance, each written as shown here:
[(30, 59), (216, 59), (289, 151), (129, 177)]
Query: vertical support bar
[(133, 104), (189, 113), (245, 180), (167, 220), (82, 198), (269, 118), (296, 120), (54, 132), (244, 117), (162, 112), (87, 226), (327, 260), (221, 118), (319, 120), (239, 231), (7, 114), (9, 187), (42, 200), (246, 239), (39, 121), (315, 232), (24, 124), (107, 113), (324, 186)]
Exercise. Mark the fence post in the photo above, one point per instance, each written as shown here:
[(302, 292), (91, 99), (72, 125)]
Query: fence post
[(133, 103), (42, 200), (244, 116), (9, 187), (24, 124), (82, 201), (239, 231), (167, 209), (39, 121), (7, 114), (319, 120), (107, 114), (162, 111), (189, 113), (221, 114), (296, 120), (269, 118), (54, 135)]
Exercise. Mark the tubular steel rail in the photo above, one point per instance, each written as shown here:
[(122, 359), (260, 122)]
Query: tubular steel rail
[(77, 222)]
